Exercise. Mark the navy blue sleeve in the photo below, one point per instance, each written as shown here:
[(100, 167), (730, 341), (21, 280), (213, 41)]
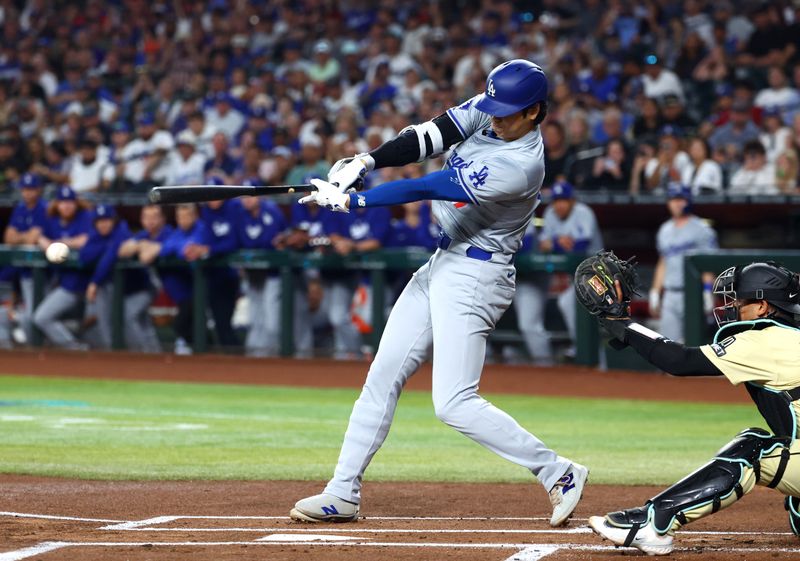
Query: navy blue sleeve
[(92, 249), (102, 272), (440, 185)]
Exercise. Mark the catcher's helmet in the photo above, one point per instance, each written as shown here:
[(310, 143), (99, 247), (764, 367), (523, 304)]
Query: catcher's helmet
[(511, 87), (758, 281)]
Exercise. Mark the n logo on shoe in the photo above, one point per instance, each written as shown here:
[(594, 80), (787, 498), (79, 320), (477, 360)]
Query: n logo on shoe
[(567, 482), (330, 510)]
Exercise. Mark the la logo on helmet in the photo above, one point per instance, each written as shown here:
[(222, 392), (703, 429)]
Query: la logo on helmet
[(490, 88)]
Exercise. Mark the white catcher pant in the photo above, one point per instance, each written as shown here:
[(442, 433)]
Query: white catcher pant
[(452, 302)]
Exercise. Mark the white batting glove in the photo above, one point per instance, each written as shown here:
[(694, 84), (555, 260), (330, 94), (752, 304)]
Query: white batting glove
[(327, 196), (348, 171)]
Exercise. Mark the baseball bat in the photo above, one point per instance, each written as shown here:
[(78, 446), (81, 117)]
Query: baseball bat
[(176, 194)]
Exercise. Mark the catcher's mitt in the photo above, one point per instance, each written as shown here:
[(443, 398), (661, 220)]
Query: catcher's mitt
[(595, 287)]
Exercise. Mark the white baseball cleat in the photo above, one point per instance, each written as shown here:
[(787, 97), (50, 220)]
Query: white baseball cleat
[(566, 493), (324, 508), (646, 538)]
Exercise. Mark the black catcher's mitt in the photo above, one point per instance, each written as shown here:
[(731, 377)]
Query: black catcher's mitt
[(595, 288)]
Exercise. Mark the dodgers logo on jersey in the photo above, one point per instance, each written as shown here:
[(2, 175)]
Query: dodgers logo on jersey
[(267, 218), (457, 162), (253, 231), (490, 88), (478, 178), (220, 228)]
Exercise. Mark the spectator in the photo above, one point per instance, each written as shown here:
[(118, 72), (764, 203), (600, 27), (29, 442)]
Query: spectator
[(569, 227), (612, 171), (185, 165), (556, 152), (225, 118), (787, 169), (767, 44), (658, 81), (775, 137), (142, 162), (682, 233), (673, 113), (701, 174), (68, 222), (740, 129), (221, 163), (377, 90), (649, 122), (324, 66), (91, 169), (311, 164), (757, 175), (202, 132), (584, 152), (669, 163), (779, 96)]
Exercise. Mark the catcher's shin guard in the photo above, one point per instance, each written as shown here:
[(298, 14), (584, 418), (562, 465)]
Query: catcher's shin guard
[(792, 504), (732, 473)]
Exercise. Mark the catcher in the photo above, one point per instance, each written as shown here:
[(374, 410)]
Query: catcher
[(757, 344)]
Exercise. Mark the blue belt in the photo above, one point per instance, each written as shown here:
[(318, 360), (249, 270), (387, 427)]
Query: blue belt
[(472, 251)]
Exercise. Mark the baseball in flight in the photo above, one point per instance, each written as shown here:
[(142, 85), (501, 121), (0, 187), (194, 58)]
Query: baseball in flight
[(57, 252)]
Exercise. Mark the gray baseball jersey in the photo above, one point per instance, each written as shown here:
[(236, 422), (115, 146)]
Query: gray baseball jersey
[(580, 225), (673, 242), (502, 180)]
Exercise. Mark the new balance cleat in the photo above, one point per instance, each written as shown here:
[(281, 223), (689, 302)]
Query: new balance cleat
[(566, 493), (324, 508), (644, 538)]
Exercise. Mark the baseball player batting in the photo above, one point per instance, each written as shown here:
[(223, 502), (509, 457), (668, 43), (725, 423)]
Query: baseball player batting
[(483, 199), (756, 345)]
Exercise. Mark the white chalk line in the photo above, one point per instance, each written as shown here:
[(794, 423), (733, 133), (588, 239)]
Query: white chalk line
[(137, 524), (53, 517), (534, 553), (355, 530), (31, 551)]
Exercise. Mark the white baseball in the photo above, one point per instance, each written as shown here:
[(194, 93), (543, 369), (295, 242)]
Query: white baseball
[(57, 252)]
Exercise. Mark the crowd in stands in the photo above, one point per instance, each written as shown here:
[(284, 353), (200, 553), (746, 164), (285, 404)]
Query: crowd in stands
[(122, 95)]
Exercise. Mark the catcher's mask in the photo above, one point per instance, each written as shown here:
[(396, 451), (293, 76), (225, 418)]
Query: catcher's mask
[(768, 281)]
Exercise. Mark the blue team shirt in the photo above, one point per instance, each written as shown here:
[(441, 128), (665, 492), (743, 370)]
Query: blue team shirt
[(23, 219), (257, 232), (369, 224), (222, 226), (178, 281), (318, 221), (425, 234), (71, 279)]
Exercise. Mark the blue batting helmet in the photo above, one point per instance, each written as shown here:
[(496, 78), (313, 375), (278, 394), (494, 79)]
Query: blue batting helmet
[(511, 87)]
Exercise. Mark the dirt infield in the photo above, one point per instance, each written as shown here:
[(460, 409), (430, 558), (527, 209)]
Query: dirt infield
[(55, 519), (238, 520)]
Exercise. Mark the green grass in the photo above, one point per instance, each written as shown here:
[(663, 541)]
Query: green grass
[(157, 430)]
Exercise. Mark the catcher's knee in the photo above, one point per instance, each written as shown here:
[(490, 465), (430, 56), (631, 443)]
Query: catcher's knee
[(732, 473)]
